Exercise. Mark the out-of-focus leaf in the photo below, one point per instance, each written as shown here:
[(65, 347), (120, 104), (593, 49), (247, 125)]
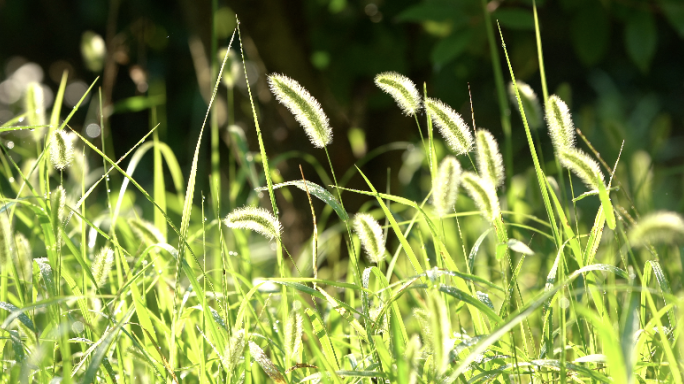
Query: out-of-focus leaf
[(674, 12), (641, 39), (450, 47), (436, 11), (514, 18), (590, 33)]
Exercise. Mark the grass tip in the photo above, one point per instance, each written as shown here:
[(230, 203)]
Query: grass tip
[(451, 125), (402, 90), (445, 186), (305, 108), (371, 236), (255, 219)]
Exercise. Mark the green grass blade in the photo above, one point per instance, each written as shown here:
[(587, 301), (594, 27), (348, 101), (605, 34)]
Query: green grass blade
[(537, 167)]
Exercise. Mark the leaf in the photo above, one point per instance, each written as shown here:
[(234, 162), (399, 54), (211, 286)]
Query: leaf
[(607, 206), (641, 38), (450, 47), (590, 33), (674, 12), (514, 18), (22, 316), (436, 11), (520, 247), (266, 363), (103, 347), (317, 191), (323, 338)]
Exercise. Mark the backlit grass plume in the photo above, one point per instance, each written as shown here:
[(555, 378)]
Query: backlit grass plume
[(583, 166), (530, 103), (255, 219), (146, 231), (402, 90), (61, 150), (58, 201), (559, 120), (293, 334), (371, 236), (483, 192), (451, 125), (102, 265), (306, 110), (234, 350), (34, 106), (658, 228), (445, 187), (489, 160), (5, 238)]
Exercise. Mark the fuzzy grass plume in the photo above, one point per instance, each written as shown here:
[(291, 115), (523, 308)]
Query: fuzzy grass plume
[(6, 246), (255, 219), (102, 265), (483, 192), (489, 159), (61, 150), (561, 128), (451, 125), (146, 231), (530, 102), (34, 105), (293, 334), (402, 90), (371, 236), (234, 350), (305, 108), (658, 228), (445, 187), (583, 166)]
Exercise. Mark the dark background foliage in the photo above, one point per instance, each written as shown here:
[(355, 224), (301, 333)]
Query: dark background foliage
[(618, 63)]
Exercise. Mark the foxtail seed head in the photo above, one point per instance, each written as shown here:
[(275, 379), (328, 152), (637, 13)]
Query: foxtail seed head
[(24, 256), (102, 265), (371, 236), (451, 125), (583, 166), (58, 201), (445, 188), (402, 90), (234, 349), (34, 106), (658, 228), (5, 238), (146, 231), (483, 192), (533, 112), (561, 128), (293, 334), (255, 219), (61, 150), (489, 160), (306, 110)]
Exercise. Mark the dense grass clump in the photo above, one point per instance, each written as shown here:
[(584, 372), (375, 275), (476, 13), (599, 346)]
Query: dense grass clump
[(485, 284)]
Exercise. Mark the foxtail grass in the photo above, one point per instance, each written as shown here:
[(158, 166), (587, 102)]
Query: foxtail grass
[(371, 236), (305, 108), (254, 219), (451, 125), (402, 90), (445, 186)]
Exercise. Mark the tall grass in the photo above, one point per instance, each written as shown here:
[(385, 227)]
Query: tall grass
[(476, 286)]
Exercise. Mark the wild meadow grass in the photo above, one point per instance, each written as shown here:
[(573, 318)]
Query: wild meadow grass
[(496, 275)]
